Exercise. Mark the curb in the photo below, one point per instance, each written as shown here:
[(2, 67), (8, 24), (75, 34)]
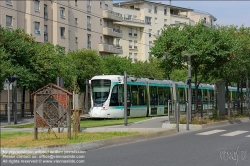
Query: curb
[(204, 126), (95, 144)]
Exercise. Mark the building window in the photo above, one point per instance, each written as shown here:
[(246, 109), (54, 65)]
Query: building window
[(158, 32), (100, 4), (88, 6), (62, 31), (106, 23), (8, 2), (130, 31), (148, 20), (150, 44), (36, 5), (130, 43), (135, 57), (76, 21), (135, 44), (149, 8), (149, 32), (106, 7), (89, 41), (165, 22), (62, 12), (118, 42), (100, 39), (45, 33), (88, 23), (165, 11), (135, 32), (100, 21), (177, 22), (45, 12), (75, 2), (156, 21), (76, 39), (155, 9), (9, 21), (106, 40), (205, 20), (37, 27), (130, 55)]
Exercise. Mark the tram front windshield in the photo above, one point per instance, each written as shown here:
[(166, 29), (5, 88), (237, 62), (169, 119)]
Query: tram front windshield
[(100, 90)]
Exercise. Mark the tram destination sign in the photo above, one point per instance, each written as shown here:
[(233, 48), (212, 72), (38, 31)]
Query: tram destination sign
[(100, 82)]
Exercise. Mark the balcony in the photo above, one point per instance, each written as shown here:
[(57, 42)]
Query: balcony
[(133, 20), (108, 48), (112, 32), (109, 14)]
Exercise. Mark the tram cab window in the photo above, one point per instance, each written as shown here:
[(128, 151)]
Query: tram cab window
[(116, 96)]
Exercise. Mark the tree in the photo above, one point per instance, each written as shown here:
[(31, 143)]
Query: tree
[(34, 64), (211, 47), (84, 64), (116, 65), (5, 66), (147, 69)]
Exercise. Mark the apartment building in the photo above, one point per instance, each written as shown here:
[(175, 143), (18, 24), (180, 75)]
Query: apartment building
[(143, 21), (72, 24)]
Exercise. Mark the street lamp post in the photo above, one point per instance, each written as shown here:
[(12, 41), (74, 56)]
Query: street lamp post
[(189, 90)]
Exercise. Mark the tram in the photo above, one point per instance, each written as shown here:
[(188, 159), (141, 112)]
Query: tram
[(144, 96)]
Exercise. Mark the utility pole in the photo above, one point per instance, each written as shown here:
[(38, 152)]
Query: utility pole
[(189, 82), (125, 99)]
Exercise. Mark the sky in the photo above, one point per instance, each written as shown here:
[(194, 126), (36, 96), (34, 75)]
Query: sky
[(234, 12)]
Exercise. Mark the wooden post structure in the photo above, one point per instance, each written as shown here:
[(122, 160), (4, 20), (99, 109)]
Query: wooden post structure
[(69, 117), (35, 125)]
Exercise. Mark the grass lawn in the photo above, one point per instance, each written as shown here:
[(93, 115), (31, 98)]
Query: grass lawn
[(26, 139), (88, 123)]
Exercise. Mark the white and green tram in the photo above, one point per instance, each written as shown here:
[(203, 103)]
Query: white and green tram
[(145, 97)]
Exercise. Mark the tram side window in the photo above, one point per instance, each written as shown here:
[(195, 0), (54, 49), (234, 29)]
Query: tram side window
[(199, 94), (161, 95), (142, 95), (205, 95), (153, 96), (211, 94), (182, 94), (167, 96), (134, 95)]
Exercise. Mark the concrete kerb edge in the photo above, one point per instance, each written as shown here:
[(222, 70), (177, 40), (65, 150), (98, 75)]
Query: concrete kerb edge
[(227, 122), (97, 144), (204, 126)]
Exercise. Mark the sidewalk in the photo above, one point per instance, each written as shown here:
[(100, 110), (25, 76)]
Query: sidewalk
[(152, 128), (154, 124)]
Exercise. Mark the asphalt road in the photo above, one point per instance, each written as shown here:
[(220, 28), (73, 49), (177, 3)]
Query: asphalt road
[(183, 149), (221, 146)]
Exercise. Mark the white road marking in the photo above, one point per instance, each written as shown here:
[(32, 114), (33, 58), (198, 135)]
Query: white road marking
[(235, 133), (210, 132), (248, 136)]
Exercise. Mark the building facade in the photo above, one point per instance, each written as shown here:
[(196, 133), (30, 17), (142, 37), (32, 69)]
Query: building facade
[(144, 20), (127, 29), (72, 24)]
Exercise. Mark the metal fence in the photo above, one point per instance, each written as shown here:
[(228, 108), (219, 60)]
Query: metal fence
[(26, 111), (208, 109)]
